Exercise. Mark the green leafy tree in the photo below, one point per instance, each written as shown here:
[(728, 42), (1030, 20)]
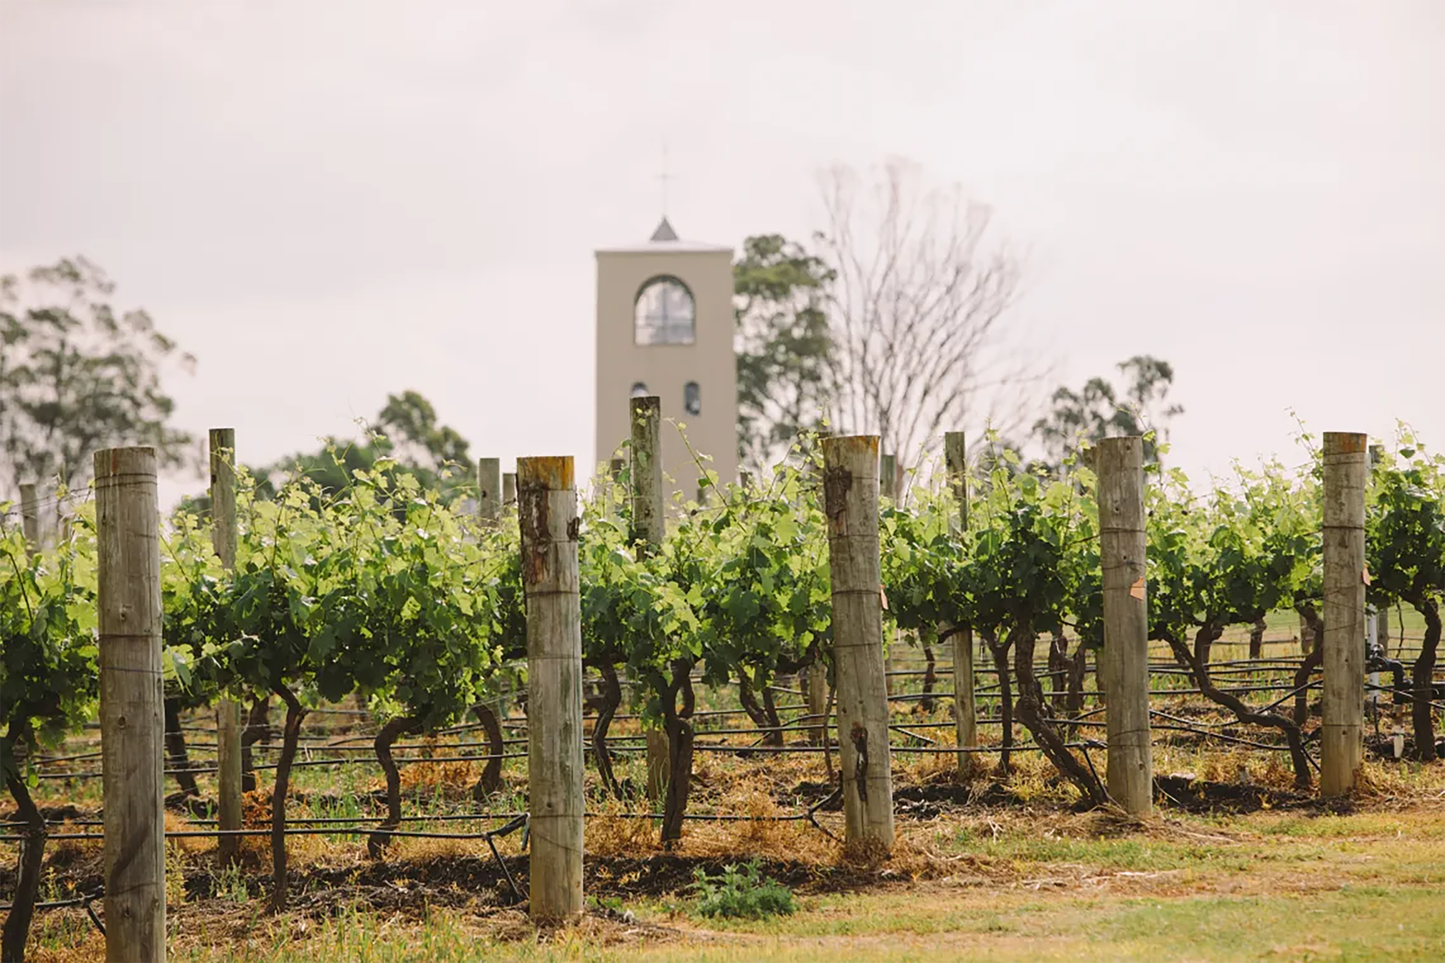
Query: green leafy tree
[(783, 343), (406, 430), (1100, 409), (77, 374)]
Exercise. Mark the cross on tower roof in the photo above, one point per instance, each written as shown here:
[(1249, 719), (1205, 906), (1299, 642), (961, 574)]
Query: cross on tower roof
[(663, 178)]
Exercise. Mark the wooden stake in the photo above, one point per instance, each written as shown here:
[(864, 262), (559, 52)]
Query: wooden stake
[(614, 480), (547, 514), (228, 711), (489, 489), (30, 516), (850, 491), (1342, 730), (817, 702), (1126, 622), (131, 718), (964, 708), (649, 527), (509, 489), (888, 488)]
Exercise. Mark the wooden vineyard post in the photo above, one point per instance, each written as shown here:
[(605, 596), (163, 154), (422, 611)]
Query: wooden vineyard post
[(887, 477), (131, 722), (1342, 729), (649, 526), (887, 488), (30, 516), (1126, 622), (965, 711), (509, 489), (614, 480), (228, 711), (489, 489), (850, 495), (817, 671), (547, 514)]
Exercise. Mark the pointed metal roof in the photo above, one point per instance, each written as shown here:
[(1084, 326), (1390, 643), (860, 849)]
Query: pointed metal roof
[(665, 239)]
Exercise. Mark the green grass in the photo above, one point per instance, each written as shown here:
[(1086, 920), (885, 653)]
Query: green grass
[(1269, 886), (1346, 924)]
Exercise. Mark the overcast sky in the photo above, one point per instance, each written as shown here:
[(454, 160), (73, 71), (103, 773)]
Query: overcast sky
[(330, 201)]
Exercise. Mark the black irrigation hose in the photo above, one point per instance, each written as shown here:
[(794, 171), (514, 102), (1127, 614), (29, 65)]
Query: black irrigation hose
[(414, 834), (299, 763), (86, 901)]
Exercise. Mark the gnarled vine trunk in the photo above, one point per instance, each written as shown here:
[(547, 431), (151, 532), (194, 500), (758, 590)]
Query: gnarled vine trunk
[(1058, 672), (677, 724), (762, 718), (392, 730), (1197, 662), (999, 650), (1030, 702), (177, 757), (770, 710), (257, 728), (1422, 678), (27, 883), (930, 679), (1256, 638), (1313, 660), (290, 739), (611, 699)]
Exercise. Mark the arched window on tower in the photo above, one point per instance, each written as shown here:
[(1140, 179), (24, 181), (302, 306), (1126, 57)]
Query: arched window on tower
[(664, 313), (692, 398)]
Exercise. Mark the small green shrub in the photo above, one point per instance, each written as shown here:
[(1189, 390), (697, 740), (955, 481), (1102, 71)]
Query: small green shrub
[(741, 893)]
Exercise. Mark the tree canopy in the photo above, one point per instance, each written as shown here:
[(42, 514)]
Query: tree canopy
[(406, 430), (78, 374), (784, 345)]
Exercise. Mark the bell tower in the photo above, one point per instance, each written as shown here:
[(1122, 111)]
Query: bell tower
[(665, 328)]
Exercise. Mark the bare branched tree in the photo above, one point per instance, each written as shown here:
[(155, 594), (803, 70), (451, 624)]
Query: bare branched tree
[(916, 310)]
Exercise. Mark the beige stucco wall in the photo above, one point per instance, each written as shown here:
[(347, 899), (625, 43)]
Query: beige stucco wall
[(666, 368)]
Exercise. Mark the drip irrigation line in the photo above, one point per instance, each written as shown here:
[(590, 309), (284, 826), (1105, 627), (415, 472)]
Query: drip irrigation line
[(418, 834), (297, 764)]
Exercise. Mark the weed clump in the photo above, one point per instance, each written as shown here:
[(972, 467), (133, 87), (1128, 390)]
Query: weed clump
[(741, 893)]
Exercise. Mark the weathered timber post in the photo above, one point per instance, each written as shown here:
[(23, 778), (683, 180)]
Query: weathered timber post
[(1342, 731), (850, 493), (649, 527), (1126, 622), (614, 480), (131, 720), (887, 477), (817, 672), (228, 711), (965, 711), (547, 514), (888, 488), (30, 516), (509, 489), (489, 489)]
